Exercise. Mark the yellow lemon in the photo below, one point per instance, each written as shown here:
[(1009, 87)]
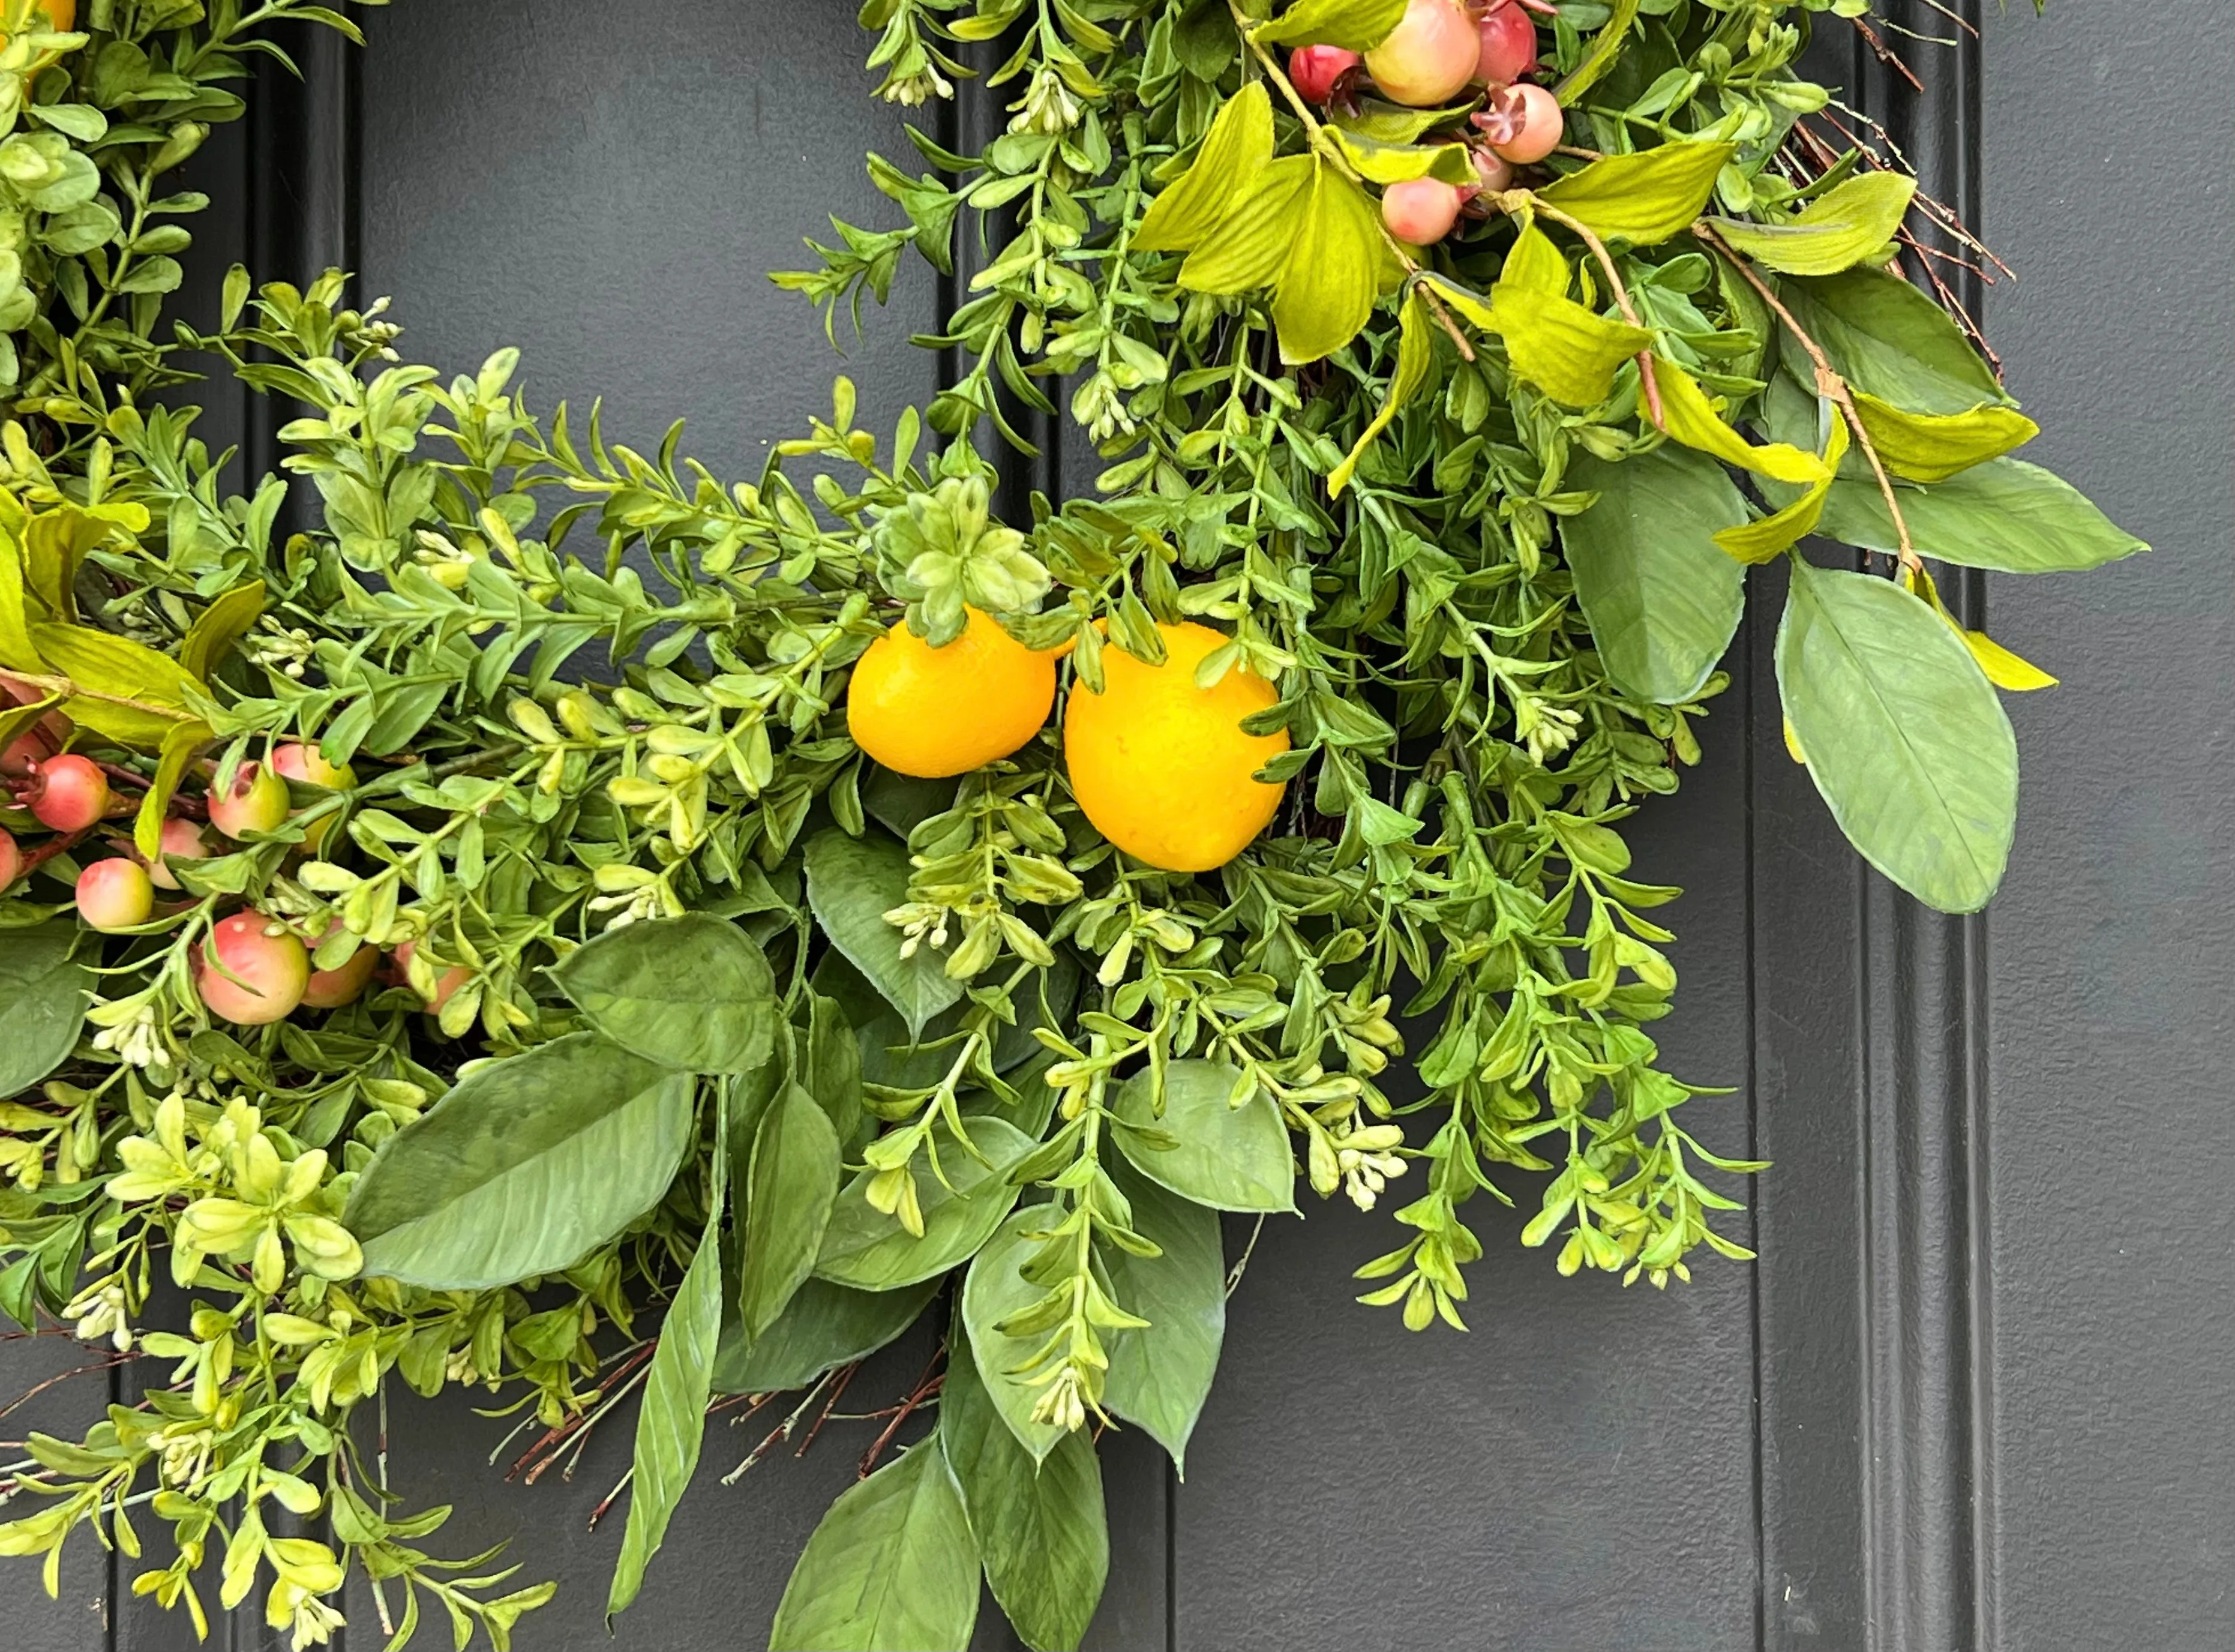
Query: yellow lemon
[(1161, 766), (933, 712), (62, 13)]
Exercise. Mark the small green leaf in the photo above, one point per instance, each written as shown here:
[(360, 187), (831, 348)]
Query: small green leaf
[(524, 1166), (1043, 1533), (1662, 597), (1906, 736), (851, 883), (1643, 199), (1228, 1158), (1355, 25), (1390, 163), (1757, 542), (1932, 447), (1415, 355), (994, 1289), (2005, 514), (794, 1183), (1691, 419), (892, 1568), (1605, 51), (215, 629), (865, 1248), (1233, 151), (1848, 223), (1160, 1376), (180, 746), (43, 999), (823, 1327), (693, 993)]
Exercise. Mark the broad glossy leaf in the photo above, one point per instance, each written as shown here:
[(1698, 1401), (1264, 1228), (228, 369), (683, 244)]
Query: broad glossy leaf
[(1845, 225), (851, 883), (832, 1070), (1906, 736), (821, 1326), (1415, 355), (794, 1183), (693, 993), (1355, 25), (1888, 339), (1159, 1377), (892, 1568), (1238, 145), (43, 995), (995, 1288), (1230, 1159), (1643, 199), (1043, 1533), (671, 1427), (523, 1167), (1932, 447), (865, 1248), (2005, 514), (1662, 597)]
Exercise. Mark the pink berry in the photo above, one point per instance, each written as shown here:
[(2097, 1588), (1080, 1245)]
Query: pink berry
[(1429, 58), (1509, 43), (308, 765), (331, 989), (11, 860), (258, 803), (1313, 70), (1524, 123), (1494, 170), (446, 985), (115, 894), (269, 966), (69, 793), (182, 841), (1420, 210)]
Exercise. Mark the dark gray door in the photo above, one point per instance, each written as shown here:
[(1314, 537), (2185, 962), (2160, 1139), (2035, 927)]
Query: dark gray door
[(1980, 1392)]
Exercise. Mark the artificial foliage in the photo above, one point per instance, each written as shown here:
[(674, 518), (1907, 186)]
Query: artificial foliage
[(464, 943)]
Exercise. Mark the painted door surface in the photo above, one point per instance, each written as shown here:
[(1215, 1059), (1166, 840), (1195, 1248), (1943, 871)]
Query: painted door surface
[(1980, 1392)]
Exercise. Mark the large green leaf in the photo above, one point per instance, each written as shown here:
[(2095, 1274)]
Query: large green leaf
[(1228, 1158), (1043, 1533), (1662, 598), (865, 1248), (851, 883), (892, 1568), (1159, 1377), (994, 1288), (1906, 736), (1845, 225), (794, 1183), (1644, 198), (1238, 145), (671, 1427), (523, 1167), (42, 999), (2005, 514), (1333, 273), (1890, 339), (823, 1325), (693, 993)]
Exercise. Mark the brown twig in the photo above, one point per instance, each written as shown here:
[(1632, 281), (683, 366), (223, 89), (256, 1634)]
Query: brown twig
[(829, 1404), (926, 1385)]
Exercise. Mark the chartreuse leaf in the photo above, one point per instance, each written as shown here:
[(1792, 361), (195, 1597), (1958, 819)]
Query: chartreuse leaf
[(1043, 1534), (522, 1167), (1415, 355), (693, 993), (43, 994), (2005, 514), (1932, 447), (1355, 25), (851, 883), (178, 748), (994, 1291), (1662, 598), (823, 1325), (1691, 419), (1643, 199), (672, 1426), (1757, 542), (215, 629), (1390, 163), (1569, 352), (1252, 243), (1333, 271), (869, 1250), (16, 612), (1887, 338), (793, 1184), (2005, 669), (1905, 737), (1604, 49), (1160, 1376), (1233, 151), (1837, 232), (892, 1567), (1202, 1146), (124, 689)]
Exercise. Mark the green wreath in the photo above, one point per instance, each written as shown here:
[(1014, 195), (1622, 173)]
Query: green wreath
[(496, 962)]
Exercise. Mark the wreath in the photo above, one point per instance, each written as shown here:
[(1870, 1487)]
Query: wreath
[(569, 924)]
